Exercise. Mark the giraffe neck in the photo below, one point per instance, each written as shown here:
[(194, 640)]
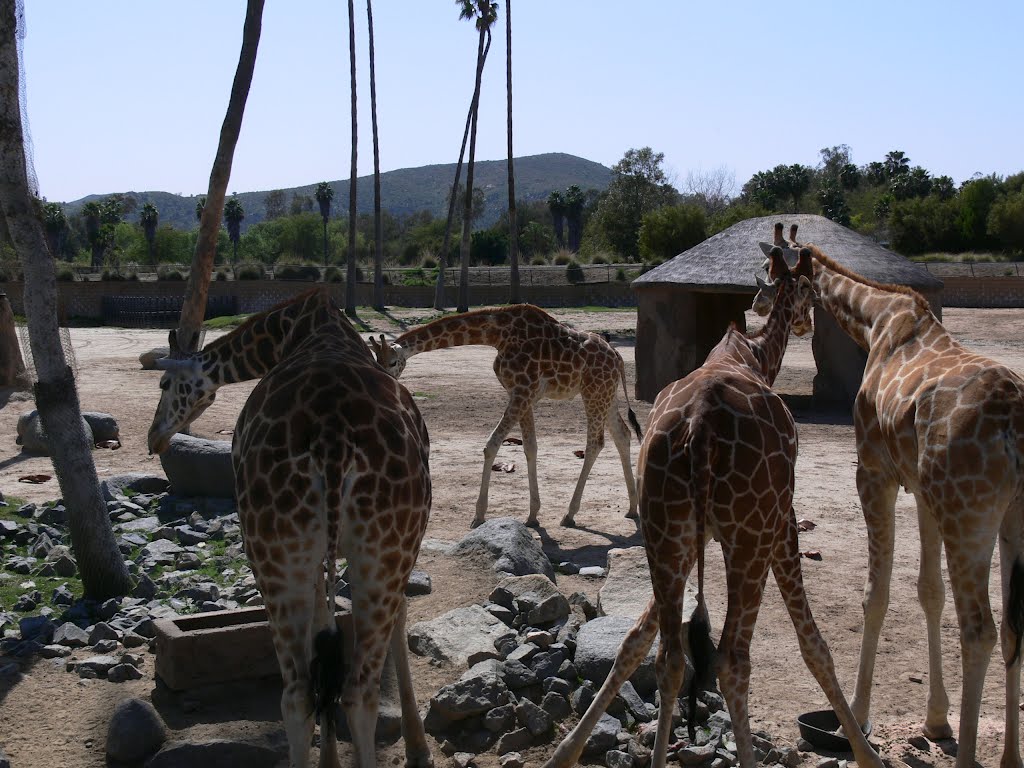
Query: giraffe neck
[(486, 327), (867, 311), (258, 345), (769, 344)]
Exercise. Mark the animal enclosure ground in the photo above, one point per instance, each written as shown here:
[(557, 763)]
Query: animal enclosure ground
[(51, 718)]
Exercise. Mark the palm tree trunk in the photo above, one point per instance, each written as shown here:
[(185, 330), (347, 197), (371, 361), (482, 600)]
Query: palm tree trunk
[(325, 243), (467, 218), (99, 561), (513, 223), (197, 288), (350, 277), (378, 222)]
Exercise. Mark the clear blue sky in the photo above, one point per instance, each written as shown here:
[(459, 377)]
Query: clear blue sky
[(129, 96)]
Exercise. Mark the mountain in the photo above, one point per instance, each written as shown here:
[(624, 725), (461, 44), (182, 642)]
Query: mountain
[(405, 191)]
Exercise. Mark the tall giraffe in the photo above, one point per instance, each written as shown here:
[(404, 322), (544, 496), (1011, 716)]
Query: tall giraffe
[(330, 458), (719, 458), (538, 357), (948, 425)]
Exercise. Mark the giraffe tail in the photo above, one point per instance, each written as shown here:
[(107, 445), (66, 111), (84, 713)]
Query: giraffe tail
[(1015, 608), (702, 648), (327, 668), (632, 416)]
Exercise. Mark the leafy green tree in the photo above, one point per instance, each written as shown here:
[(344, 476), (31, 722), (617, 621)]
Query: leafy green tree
[(274, 205), (1006, 221), (200, 206), (896, 163), (233, 216), (943, 187), (55, 224), (483, 13), (670, 230), (574, 204), (300, 204), (638, 186), (92, 213), (924, 224), (324, 195), (490, 247), (536, 239), (833, 203), (149, 218), (782, 184), (916, 182), (976, 200), (875, 174), (556, 204), (883, 206)]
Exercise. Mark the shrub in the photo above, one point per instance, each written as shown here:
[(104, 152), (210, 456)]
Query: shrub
[(620, 275), (65, 275), (221, 275), (539, 261), (112, 276), (169, 274), (334, 275), (249, 272), (562, 258), (297, 272), (429, 262), (574, 272), (599, 259)]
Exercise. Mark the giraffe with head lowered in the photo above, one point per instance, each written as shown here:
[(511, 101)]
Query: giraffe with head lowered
[(538, 357), (947, 425), (330, 458), (718, 459)]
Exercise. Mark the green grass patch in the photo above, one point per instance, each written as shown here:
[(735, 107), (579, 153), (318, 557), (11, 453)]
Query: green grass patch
[(11, 590), (9, 512)]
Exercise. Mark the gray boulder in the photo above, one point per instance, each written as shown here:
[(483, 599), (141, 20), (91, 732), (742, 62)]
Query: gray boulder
[(533, 596), (479, 690), (458, 636), (597, 644), (513, 548), (627, 587), (604, 736), (103, 426), (148, 358), (33, 439), (198, 467), (218, 753), (135, 732), (114, 488)]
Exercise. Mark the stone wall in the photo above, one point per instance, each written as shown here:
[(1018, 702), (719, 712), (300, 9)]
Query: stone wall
[(83, 300), (1005, 291)]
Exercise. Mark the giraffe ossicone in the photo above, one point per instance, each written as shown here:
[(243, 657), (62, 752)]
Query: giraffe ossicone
[(330, 457), (947, 425), (537, 357), (719, 459)]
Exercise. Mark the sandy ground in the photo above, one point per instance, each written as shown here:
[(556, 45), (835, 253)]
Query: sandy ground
[(50, 718)]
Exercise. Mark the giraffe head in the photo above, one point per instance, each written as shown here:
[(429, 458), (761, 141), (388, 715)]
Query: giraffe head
[(187, 391), (390, 356), (800, 290)]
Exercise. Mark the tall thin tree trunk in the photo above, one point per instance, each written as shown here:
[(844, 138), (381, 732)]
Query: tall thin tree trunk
[(99, 561), (197, 288), (325, 243), (378, 222), (513, 223), (350, 278), (467, 219)]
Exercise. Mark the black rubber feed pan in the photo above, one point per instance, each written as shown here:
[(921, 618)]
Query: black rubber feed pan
[(819, 728)]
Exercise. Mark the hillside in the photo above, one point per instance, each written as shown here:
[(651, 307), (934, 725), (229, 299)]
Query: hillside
[(408, 190)]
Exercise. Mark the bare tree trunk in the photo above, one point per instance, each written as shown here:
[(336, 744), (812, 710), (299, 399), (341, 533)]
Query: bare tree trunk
[(12, 366), (467, 217), (378, 222), (513, 223), (350, 278), (197, 288), (99, 561)]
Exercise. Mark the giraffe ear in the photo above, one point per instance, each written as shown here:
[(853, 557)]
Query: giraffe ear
[(778, 268), (172, 342), (373, 345), (805, 265)]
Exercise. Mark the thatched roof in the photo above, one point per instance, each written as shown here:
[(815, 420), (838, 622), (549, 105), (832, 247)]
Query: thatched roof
[(728, 261)]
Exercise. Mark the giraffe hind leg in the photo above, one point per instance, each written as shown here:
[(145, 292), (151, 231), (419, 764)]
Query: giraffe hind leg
[(595, 442), (931, 593), (513, 414), (1011, 559), (620, 436)]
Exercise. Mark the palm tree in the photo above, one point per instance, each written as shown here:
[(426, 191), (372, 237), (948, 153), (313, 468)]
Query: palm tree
[(556, 204), (149, 217), (513, 222), (233, 216), (100, 563), (200, 205), (378, 222), (324, 195), (198, 285), (93, 213), (55, 222), (896, 163), (484, 13), (350, 272), (574, 201)]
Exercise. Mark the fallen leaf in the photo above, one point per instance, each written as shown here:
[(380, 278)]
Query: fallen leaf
[(579, 454), (511, 441), (811, 554), (225, 431), (111, 444), (806, 525), (504, 466), (34, 478)]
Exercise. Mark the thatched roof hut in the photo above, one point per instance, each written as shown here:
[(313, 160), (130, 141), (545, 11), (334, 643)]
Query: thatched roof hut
[(686, 304)]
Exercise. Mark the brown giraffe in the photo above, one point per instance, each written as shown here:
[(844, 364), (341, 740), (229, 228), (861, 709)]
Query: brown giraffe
[(330, 459), (719, 457), (537, 357), (948, 426)]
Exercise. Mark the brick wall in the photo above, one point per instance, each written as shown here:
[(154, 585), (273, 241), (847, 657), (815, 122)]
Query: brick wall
[(84, 299)]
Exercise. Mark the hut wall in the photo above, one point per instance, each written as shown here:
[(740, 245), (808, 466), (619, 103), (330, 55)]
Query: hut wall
[(675, 331)]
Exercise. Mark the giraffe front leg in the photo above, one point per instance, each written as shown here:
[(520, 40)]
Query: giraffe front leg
[(932, 595), (417, 753), (595, 442), (529, 429), (877, 493), (620, 436), (512, 414)]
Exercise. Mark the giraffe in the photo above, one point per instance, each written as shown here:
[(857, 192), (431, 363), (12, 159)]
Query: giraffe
[(719, 457), (947, 425), (538, 357), (330, 457)]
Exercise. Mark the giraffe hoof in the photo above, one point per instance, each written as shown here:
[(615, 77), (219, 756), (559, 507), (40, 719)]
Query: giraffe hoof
[(632, 515), (568, 522), (426, 760), (533, 522), (477, 522), (939, 732)]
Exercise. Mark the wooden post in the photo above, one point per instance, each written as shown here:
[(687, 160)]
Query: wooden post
[(12, 367)]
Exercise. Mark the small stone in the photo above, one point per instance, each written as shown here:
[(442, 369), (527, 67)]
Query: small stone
[(582, 697), (592, 571), (134, 640), (511, 760), (419, 584), (604, 736), (616, 759), (463, 759), (54, 651), (65, 566), (827, 762), (541, 638), (96, 665), (103, 631), (569, 569), (517, 675), (122, 672), (695, 755), (38, 628), (790, 757), (500, 719), (556, 705), (187, 561), (105, 646), (24, 604), (514, 741), (62, 595), (145, 588), (536, 720)]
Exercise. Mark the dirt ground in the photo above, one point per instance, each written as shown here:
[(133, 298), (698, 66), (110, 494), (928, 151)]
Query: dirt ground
[(50, 718)]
